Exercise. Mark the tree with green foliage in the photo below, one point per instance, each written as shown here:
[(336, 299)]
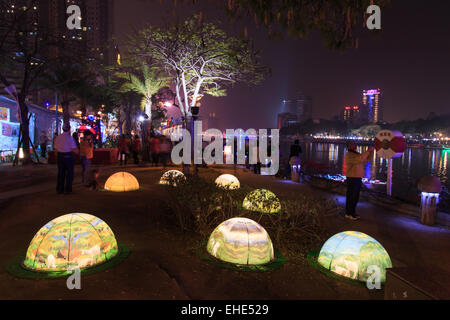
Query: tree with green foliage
[(201, 58), (340, 22)]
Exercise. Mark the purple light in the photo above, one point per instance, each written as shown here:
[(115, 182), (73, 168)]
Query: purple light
[(371, 92)]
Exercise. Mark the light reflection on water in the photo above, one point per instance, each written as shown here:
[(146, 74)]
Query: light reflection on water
[(407, 169)]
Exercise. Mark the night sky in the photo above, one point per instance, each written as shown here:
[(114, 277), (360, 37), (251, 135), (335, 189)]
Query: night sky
[(409, 60)]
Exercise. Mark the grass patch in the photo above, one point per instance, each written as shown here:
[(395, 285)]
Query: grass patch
[(15, 266)]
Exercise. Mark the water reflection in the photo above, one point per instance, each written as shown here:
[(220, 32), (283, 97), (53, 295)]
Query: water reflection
[(407, 169)]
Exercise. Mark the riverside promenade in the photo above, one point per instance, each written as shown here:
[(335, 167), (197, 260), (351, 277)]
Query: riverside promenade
[(162, 264)]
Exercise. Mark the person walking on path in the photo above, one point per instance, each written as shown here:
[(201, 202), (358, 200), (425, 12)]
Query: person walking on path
[(294, 157), (124, 149), (43, 141), (154, 149), (86, 155), (354, 172), (136, 148), (165, 149), (65, 145)]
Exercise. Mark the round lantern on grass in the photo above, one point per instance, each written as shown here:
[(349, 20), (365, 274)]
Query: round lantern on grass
[(353, 254), (171, 177), (241, 241), (262, 200), (228, 181), (121, 182), (72, 240)]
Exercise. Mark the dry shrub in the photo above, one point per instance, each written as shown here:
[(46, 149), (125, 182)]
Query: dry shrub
[(198, 205)]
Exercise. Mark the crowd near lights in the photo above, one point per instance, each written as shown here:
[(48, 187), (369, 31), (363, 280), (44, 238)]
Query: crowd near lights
[(241, 241), (342, 178), (228, 181), (351, 253), (171, 177), (73, 240), (262, 200), (122, 182)]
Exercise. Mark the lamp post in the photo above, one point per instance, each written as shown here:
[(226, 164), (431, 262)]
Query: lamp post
[(430, 188)]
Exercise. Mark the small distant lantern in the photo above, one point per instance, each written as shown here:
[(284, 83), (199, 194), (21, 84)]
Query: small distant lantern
[(171, 177), (262, 200), (121, 182), (430, 187), (228, 181)]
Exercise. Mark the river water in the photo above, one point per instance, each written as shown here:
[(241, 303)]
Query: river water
[(407, 169)]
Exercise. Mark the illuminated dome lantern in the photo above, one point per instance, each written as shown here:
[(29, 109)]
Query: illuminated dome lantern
[(350, 253), (73, 240), (228, 181), (262, 200), (241, 241), (121, 182), (171, 177)]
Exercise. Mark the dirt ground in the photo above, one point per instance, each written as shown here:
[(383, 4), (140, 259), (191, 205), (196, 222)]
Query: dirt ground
[(162, 264)]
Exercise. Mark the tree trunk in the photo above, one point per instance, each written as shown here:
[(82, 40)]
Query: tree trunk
[(25, 130), (66, 113)]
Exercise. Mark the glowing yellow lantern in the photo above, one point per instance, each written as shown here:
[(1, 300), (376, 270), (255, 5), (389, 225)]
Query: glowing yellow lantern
[(228, 181), (262, 200), (122, 181), (72, 240), (354, 255), (171, 177), (241, 241)]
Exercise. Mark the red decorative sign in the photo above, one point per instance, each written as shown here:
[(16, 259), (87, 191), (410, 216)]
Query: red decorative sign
[(390, 144)]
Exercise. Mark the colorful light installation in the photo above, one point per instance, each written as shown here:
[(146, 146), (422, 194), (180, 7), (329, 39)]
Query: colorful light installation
[(171, 177), (228, 181), (121, 182), (72, 240), (262, 200), (351, 253), (241, 241)]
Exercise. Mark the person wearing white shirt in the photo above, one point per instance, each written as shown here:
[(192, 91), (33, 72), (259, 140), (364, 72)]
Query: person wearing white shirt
[(64, 146)]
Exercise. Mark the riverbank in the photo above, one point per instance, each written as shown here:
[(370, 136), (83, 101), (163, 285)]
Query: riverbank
[(163, 263)]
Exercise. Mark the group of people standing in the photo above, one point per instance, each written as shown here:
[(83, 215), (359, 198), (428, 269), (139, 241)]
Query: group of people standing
[(66, 146), (159, 147)]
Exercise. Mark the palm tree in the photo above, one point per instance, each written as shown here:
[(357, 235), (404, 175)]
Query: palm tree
[(145, 83)]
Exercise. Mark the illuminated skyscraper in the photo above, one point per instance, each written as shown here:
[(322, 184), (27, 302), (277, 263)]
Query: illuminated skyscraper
[(372, 103)]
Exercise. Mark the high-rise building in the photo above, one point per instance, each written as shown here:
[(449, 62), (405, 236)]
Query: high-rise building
[(286, 120), (96, 27), (373, 105), (301, 106), (352, 115)]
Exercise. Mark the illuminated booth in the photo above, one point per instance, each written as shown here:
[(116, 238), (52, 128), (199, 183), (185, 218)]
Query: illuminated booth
[(351, 253), (262, 200), (241, 241), (228, 181), (72, 240), (171, 177), (122, 182)]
